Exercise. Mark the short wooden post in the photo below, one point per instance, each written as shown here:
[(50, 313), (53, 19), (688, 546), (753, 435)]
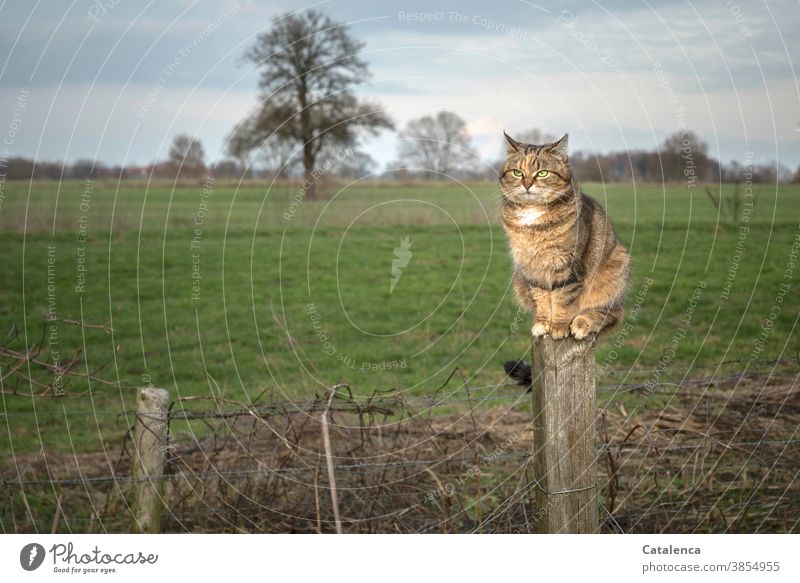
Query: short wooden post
[(149, 448), (565, 412)]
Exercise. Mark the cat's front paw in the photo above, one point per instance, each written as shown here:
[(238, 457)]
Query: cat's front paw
[(559, 330), (539, 329), (583, 326)]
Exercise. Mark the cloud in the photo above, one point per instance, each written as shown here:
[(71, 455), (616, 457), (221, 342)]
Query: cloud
[(109, 121), (587, 68)]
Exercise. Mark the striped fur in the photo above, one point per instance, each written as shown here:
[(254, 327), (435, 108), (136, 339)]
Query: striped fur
[(570, 270)]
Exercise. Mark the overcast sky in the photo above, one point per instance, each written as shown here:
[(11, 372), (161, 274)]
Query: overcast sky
[(115, 80)]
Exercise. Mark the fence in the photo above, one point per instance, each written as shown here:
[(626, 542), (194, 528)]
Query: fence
[(712, 454)]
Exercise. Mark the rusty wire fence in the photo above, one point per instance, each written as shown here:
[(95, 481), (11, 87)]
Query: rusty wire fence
[(720, 453)]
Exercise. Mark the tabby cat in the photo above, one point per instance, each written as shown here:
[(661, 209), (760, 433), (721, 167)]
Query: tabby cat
[(570, 269)]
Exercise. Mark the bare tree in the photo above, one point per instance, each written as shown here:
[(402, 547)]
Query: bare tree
[(309, 65), (685, 155), (186, 156), (278, 158), (228, 169), (439, 144), (85, 169)]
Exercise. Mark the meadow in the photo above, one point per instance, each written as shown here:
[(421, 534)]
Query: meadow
[(233, 291)]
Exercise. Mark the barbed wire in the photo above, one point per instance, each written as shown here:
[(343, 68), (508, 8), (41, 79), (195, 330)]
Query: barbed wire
[(616, 519), (386, 404), (604, 448), (431, 399), (639, 453)]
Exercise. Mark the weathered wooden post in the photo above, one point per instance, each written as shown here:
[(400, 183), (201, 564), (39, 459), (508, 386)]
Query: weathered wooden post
[(149, 449), (565, 412)]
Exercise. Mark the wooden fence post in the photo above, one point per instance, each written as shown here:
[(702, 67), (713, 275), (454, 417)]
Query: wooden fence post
[(565, 413), (149, 448)]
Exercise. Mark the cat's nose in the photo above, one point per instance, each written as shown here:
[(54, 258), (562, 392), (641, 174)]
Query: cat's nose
[(527, 184)]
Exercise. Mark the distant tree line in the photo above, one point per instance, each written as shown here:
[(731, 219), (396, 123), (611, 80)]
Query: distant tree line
[(434, 147), (680, 157), (310, 124)]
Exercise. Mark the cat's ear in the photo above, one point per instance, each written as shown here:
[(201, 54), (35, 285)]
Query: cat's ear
[(560, 147), (513, 145)]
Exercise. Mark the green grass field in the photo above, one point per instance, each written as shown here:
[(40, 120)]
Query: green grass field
[(294, 296)]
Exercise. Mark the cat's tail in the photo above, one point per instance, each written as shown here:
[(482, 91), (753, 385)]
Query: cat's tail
[(519, 371)]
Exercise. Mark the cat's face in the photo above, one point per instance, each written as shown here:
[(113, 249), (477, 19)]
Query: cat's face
[(536, 173)]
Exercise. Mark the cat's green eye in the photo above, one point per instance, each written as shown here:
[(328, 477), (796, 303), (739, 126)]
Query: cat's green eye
[(517, 173), (542, 173)]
